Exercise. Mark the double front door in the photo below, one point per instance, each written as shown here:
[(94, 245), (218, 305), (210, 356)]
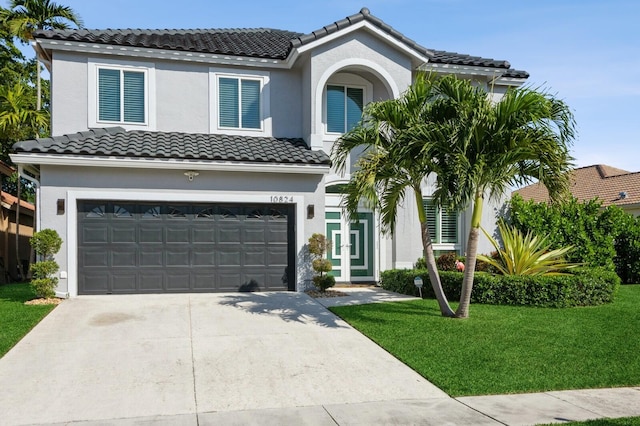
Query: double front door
[(352, 246)]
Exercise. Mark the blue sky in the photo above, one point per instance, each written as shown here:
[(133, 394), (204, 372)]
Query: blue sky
[(587, 52)]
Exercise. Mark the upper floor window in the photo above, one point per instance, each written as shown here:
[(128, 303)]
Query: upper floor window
[(344, 107), (443, 224), (121, 92), (239, 103), (121, 96)]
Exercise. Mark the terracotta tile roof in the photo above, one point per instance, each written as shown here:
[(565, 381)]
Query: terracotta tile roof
[(11, 200), (609, 184), (266, 43), (117, 142)]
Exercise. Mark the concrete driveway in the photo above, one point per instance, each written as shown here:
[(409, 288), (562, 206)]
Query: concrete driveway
[(206, 358)]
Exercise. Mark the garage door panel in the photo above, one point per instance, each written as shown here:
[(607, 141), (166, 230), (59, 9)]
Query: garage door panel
[(151, 257), (124, 257), (94, 283), (123, 282), (151, 233), (94, 233), (94, 257), (176, 256), (178, 279), (126, 247), (204, 256), (124, 233), (204, 281), (151, 282)]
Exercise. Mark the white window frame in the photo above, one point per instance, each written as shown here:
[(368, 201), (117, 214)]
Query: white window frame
[(347, 80), (148, 68), (265, 101), (438, 236)]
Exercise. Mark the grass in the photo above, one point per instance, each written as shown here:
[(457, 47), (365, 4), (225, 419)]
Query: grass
[(508, 349), (16, 318)]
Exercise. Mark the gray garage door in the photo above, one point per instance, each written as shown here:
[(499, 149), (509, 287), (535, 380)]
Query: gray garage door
[(126, 247)]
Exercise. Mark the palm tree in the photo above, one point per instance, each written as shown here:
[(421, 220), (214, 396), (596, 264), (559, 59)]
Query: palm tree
[(397, 136), (19, 121), (493, 146), (26, 16)]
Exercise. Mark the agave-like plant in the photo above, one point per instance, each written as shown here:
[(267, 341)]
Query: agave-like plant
[(526, 254)]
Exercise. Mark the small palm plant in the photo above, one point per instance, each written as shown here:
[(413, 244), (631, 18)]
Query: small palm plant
[(526, 254), (319, 245)]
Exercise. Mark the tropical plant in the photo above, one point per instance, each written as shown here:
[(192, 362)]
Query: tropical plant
[(26, 16), (319, 245), (526, 254), (396, 136), (491, 146), (46, 243)]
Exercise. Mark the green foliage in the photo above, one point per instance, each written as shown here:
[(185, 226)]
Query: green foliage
[(46, 243), (323, 282), (16, 317), (587, 286), (510, 349), (447, 261), (526, 254), (319, 245), (606, 237)]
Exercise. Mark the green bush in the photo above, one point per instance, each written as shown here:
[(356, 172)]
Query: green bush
[(607, 237), (46, 243), (319, 245), (586, 286)]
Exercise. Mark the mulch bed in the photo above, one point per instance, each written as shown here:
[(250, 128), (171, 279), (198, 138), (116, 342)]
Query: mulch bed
[(329, 293), (43, 301)]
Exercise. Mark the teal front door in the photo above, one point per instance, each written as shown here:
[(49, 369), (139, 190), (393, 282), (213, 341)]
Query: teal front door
[(352, 251)]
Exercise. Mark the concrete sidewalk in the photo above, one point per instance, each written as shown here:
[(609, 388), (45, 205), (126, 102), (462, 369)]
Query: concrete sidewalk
[(265, 358)]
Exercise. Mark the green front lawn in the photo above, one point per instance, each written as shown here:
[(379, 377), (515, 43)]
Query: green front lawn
[(509, 349), (16, 318), (623, 421)]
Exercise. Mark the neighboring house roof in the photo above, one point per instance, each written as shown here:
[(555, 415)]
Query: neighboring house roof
[(266, 43), (116, 142), (9, 202), (598, 181)]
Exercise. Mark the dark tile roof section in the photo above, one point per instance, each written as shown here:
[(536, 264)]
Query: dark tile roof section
[(117, 142), (266, 43), (610, 185)]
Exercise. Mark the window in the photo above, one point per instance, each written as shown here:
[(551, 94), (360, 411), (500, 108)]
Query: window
[(239, 103), (443, 224), (344, 107), (121, 95)]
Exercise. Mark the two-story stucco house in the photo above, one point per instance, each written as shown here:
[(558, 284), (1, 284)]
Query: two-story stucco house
[(196, 160)]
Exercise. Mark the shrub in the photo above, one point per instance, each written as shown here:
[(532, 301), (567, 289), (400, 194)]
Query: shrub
[(447, 262), (526, 254), (318, 246), (586, 286), (46, 243)]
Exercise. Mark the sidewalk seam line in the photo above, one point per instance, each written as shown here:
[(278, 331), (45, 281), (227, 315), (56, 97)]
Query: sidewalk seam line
[(330, 415), (478, 411), (600, 415), (193, 365)]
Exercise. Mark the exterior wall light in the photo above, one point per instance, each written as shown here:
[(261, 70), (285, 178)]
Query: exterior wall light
[(311, 210), (60, 206), (191, 174)]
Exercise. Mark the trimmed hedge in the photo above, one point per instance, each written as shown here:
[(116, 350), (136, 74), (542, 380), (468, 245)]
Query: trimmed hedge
[(585, 287)]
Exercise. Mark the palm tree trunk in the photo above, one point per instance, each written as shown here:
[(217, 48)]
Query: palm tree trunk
[(18, 263), (472, 254), (430, 260), (38, 86)]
